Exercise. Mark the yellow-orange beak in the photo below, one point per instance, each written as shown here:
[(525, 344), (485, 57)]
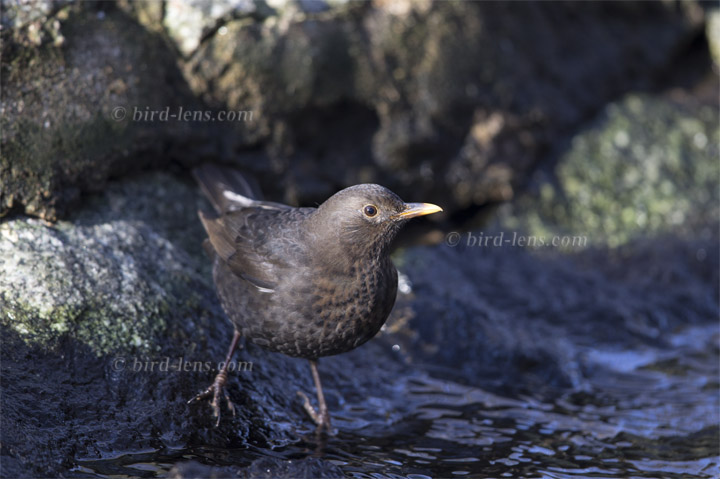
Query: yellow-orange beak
[(416, 209)]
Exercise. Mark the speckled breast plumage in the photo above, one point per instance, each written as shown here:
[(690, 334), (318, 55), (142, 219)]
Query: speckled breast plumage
[(311, 316)]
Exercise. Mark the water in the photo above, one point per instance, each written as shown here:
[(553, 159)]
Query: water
[(648, 414)]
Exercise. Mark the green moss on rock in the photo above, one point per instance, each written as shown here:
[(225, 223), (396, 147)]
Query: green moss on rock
[(67, 122), (115, 277), (648, 166)]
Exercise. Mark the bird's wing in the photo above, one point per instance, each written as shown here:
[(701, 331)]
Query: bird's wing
[(229, 190), (246, 242)]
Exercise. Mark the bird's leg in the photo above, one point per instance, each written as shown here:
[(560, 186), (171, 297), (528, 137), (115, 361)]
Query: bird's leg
[(321, 417), (218, 385)]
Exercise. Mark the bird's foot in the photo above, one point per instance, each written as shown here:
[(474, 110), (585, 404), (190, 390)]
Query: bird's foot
[(321, 417), (215, 389)]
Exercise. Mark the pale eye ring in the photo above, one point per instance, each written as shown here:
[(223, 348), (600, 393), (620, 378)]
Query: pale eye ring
[(370, 211)]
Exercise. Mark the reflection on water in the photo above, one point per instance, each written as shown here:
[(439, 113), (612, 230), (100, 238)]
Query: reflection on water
[(650, 413)]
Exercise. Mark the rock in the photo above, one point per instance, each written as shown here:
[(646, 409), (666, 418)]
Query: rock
[(308, 468), (188, 22), (192, 469), (521, 320), (31, 23), (106, 278), (434, 99), (110, 325), (85, 398), (455, 103), (109, 317), (648, 166), (265, 467), (713, 35), (68, 112)]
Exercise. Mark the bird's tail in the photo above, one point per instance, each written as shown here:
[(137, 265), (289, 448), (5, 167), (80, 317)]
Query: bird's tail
[(226, 188)]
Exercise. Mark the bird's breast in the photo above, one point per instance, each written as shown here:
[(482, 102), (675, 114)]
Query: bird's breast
[(345, 310), (313, 312)]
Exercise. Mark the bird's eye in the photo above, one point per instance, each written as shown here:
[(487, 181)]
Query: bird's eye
[(370, 211)]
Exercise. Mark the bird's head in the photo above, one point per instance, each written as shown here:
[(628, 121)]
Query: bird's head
[(365, 218)]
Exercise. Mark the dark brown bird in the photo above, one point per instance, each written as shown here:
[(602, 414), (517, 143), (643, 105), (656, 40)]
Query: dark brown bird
[(306, 282)]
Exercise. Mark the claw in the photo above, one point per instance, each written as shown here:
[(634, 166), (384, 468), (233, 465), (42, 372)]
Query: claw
[(309, 409), (214, 390), (321, 418), (219, 384), (230, 404), (200, 396)]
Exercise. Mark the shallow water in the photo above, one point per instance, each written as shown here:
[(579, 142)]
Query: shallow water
[(652, 413)]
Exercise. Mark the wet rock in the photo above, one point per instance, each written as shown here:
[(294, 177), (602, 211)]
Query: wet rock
[(110, 324), (523, 320), (192, 469), (307, 468), (83, 398), (634, 204), (266, 467)]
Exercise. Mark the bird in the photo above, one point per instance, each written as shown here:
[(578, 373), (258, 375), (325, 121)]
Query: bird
[(306, 282)]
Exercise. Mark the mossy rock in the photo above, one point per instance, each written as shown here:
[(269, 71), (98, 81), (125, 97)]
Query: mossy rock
[(67, 123), (648, 166), (116, 277)]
